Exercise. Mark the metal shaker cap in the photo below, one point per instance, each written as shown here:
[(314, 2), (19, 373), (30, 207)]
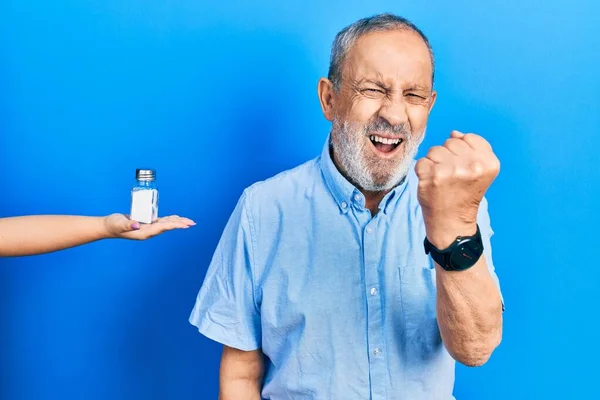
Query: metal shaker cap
[(142, 174)]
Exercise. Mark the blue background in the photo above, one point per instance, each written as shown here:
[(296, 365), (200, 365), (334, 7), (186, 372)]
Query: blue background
[(218, 95)]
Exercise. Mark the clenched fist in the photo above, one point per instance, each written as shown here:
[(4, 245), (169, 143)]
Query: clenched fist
[(453, 179)]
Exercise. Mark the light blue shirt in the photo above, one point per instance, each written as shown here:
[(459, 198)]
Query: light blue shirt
[(341, 303)]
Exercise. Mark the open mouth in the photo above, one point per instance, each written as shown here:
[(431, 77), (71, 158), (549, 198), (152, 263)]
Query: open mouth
[(385, 145)]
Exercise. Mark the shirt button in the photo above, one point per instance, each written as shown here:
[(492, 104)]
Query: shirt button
[(373, 291), (357, 197), (377, 351), (344, 204), (369, 230)]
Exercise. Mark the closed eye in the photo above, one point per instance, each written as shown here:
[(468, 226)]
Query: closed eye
[(373, 91)]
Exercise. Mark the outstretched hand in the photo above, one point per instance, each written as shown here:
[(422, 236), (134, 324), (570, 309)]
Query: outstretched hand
[(120, 226)]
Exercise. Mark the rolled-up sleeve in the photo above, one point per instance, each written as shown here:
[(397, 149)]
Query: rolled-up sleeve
[(225, 309), (483, 220)]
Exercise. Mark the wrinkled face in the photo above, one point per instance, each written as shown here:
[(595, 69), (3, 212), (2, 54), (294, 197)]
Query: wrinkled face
[(380, 111)]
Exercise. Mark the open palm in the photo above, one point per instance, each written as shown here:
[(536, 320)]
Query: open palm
[(120, 226)]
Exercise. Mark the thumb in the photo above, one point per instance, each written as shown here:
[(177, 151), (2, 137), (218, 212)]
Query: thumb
[(133, 225), (125, 225), (457, 134)]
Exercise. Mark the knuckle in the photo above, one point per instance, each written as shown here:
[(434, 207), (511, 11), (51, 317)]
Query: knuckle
[(439, 176), (435, 150), (495, 163), (421, 167), (457, 170), (477, 169), (475, 140), (497, 166)]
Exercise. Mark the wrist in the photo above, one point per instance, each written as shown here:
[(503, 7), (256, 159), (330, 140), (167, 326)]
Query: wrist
[(441, 234), (104, 228)]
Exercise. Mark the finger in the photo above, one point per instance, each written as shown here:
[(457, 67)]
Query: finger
[(178, 224), (127, 225), (456, 134), (424, 168), (170, 226), (169, 218), (146, 231), (164, 226), (176, 218), (458, 146), (477, 142), (439, 155)]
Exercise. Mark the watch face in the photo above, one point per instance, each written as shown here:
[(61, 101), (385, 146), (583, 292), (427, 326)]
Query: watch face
[(466, 254)]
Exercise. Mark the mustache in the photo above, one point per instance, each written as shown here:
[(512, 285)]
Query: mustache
[(381, 125)]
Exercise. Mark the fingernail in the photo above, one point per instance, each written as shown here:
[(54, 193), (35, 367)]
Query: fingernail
[(135, 226)]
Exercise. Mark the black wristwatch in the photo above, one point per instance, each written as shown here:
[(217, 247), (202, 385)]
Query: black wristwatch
[(462, 254)]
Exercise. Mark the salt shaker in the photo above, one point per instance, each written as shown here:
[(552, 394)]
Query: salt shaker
[(144, 197)]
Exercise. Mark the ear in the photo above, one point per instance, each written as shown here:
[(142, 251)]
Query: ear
[(432, 101), (326, 97)]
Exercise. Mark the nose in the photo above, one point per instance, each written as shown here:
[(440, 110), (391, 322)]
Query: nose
[(394, 111)]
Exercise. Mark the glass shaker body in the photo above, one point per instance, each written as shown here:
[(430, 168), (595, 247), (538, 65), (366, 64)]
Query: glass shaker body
[(144, 197)]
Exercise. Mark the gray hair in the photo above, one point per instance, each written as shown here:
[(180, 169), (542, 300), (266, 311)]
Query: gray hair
[(348, 36)]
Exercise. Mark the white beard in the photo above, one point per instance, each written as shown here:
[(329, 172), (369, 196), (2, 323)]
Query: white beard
[(364, 169)]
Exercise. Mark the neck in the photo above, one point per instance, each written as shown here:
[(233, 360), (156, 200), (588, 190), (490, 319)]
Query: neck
[(372, 199)]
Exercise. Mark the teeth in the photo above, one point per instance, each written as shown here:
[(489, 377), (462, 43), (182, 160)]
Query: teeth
[(384, 140)]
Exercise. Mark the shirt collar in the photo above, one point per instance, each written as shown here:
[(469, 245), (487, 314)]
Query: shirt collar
[(344, 192)]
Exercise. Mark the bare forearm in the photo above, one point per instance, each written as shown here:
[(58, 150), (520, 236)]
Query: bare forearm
[(469, 308), (28, 235), (453, 179), (469, 312), (238, 389), (241, 374)]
